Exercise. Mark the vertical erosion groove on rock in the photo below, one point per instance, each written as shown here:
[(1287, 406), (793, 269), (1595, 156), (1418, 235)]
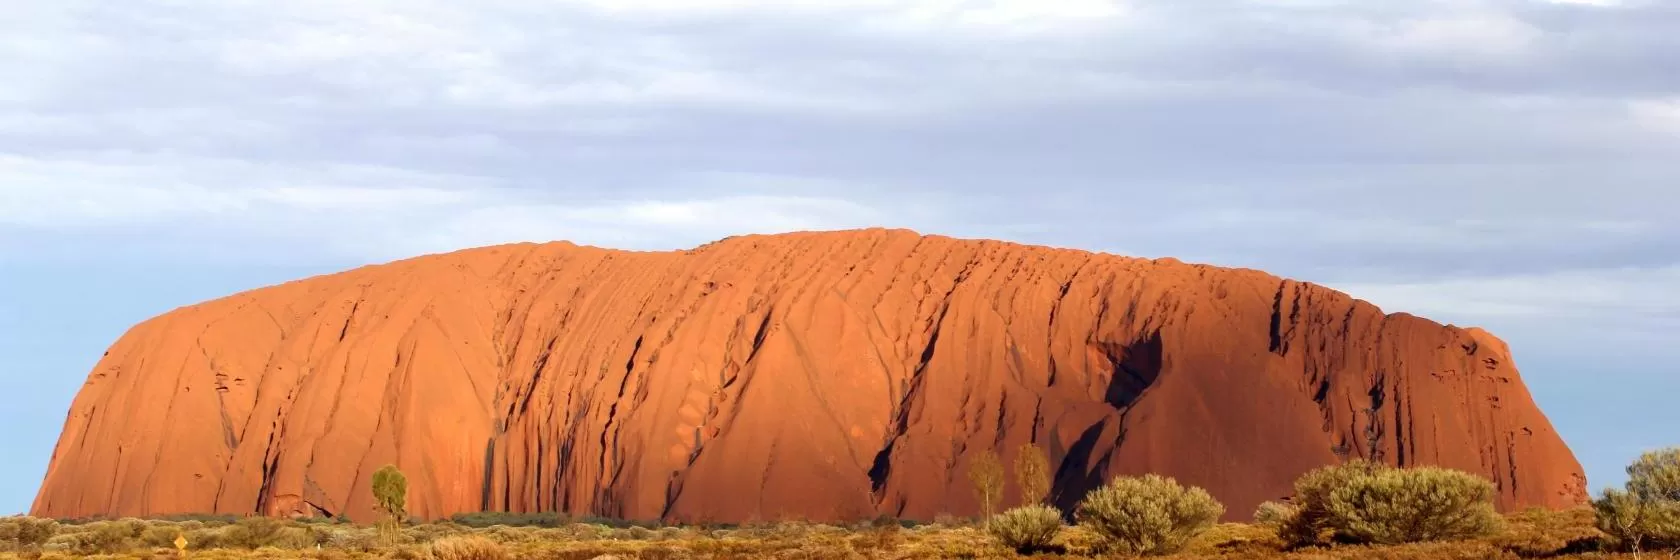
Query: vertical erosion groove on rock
[(834, 375)]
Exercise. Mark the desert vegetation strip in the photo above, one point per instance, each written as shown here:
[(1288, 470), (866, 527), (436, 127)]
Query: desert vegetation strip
[(1351, 511)]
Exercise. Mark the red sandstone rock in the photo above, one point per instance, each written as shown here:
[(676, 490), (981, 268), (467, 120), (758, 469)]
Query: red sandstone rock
[(812, 375)]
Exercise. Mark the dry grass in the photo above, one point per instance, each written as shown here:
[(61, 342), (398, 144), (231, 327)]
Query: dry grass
[(1532, 534)]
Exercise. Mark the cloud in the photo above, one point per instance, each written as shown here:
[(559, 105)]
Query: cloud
[(1628, 295), (126, 191), (363, 213), (1659, 114), (1593, 3), (1381, 142), (1625, 316)]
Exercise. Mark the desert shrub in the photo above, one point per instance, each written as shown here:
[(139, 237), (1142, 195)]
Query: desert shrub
[(467, 548), (433, 531), (1396, 506), (411, 552), (1309, 522), (1234, 541), (204, 539), (483, 519), (27, 531), (1365, 502), (1275, 515), (587, 531), (304, 537), (618, 523), (251, 532), (267, 532), (1026, 529), (1544, 533), (1147, 515), (208, 519), (358, 539), (1646, 515), (885, 533), (161, 535), (108, 537)]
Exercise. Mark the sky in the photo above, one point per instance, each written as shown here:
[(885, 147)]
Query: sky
[(1510, 164)]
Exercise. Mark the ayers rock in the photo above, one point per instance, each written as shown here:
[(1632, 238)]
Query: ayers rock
[(832, 375)]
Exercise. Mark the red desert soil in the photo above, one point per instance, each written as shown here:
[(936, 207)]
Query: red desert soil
[(809, 375)]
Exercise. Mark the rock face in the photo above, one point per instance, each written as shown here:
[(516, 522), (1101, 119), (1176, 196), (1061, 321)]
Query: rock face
[(833, 375)]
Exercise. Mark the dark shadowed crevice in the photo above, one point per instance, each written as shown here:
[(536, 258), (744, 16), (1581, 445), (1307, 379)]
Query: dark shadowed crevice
[(1080, 470), (1277, 321), (1135, 368), (881, 468), (489, 474)]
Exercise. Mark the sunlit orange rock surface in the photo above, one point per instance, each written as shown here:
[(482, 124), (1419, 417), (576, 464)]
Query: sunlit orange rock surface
[(834, 375)]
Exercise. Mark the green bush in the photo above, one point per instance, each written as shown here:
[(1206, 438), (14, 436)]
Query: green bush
[(1147, 515), (1026, 529), (1370, 503), (1308, 521), (1413, 505), (1646, 515), (1275, 515)]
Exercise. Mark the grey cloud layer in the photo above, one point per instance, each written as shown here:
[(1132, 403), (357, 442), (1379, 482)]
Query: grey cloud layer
[(1349, 142)]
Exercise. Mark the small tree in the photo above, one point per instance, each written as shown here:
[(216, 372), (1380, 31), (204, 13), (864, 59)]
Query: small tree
[(1147, 515), (1656, 475), (390, 492), (1647, 514), (1032, 473), (987, 475)]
